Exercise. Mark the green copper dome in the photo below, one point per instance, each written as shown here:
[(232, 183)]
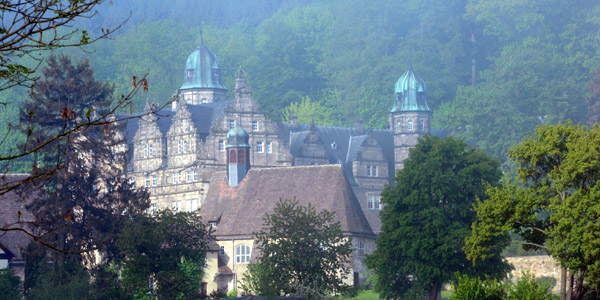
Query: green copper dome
[(237, 137), (411, 93), (202, 70)]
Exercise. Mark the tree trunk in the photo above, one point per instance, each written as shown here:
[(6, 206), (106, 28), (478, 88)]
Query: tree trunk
[(570, 287), (434, 292), (563, 283)]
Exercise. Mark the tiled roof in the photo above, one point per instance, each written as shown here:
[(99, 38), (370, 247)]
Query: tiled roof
[(240, 210), (10, 205)]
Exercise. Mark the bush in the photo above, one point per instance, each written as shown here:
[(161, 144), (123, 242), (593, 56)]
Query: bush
[(232, 294), (10, 285), (528, 288), (218, 294), (467, 288)]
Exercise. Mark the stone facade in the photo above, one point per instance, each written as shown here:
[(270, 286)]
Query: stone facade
[(176, 153)]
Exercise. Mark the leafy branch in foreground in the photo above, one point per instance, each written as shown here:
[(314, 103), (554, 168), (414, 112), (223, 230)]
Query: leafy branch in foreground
[(28, 27)]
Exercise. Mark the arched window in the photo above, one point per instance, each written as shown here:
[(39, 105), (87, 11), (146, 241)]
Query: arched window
[(242, 254), (409, 126), (232, 156), (241, 157)]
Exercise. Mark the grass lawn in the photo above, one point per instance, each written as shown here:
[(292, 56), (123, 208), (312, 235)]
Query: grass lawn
[(371, 295), (364, 295)]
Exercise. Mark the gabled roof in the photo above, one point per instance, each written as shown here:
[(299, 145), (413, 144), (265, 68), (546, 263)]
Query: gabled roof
[(202, 116), (240, 210)]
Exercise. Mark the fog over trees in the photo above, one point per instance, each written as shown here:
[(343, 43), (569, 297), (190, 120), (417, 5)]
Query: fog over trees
[(494, 69)]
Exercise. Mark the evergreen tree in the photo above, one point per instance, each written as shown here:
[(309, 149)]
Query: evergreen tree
[(82, 194), (427, 216)]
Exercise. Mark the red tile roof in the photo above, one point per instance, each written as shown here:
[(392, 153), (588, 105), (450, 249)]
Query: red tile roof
[(240, 210)]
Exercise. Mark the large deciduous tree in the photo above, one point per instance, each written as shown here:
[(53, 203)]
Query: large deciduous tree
[(168, 251), (303, 251), (427, 215), (554, 204)]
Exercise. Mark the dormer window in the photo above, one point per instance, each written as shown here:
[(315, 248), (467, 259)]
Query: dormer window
[(190, 73), (254, 125), (333, 145), (212, 224), (231, 124)]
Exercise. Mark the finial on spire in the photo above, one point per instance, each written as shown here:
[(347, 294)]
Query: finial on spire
[(410, 58)]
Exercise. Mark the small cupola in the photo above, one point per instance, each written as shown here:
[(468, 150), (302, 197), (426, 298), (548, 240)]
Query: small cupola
[(238, 155), (410, 93)]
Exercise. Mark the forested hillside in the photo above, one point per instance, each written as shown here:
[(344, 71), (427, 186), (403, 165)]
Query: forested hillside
[(494, 69)]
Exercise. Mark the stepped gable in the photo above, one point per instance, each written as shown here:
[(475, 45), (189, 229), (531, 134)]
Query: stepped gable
[(239, 211), (202, 116)]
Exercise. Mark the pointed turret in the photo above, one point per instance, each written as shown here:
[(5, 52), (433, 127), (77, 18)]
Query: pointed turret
[(238, 155)]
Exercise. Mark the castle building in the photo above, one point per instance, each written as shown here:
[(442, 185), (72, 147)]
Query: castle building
[(227, 159)]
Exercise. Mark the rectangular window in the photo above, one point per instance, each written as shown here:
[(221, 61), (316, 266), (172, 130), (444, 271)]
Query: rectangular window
[(151, 150), (399, 126), (179, 146), (409, 126), (231, 124), (132, 181), (176, 205), (221, 145), (154, 180), (179, 175), (147, 181), (212, 224), (254, 125), (222, 252), (361, 248), (374, 202), (153, 209), (174, 181), (195, 175), (269, 147), (145, 155), (371, 171), (188, 205), (185, 146), (259, 147), (188, 176)]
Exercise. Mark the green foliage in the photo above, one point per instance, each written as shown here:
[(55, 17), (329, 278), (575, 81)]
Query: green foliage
[(554, 203), (232, 294), (308, 112), (468, 288), (163, 255), (426, 217), (303, 252), (10, 285)]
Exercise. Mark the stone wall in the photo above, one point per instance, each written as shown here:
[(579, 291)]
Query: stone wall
[(538, 266)]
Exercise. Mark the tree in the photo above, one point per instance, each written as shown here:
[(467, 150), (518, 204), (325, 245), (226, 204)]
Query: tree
[(301, 249), (29, 27), (426, 216), (10, 285), (554, 204), (85, 195), (168, 251)]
